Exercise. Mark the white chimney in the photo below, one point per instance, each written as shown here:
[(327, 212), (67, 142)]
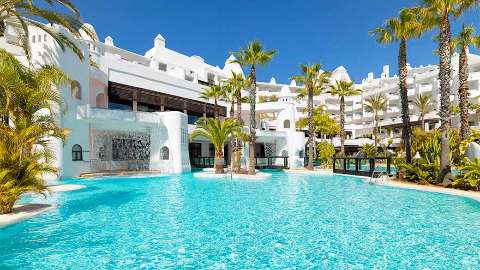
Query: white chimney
[(109, 41), (386, 72), (159, 41)]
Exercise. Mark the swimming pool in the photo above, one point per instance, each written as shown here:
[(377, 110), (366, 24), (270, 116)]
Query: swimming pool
[(329, 222)]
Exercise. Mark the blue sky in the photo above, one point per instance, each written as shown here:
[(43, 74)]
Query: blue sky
[(332, 33)]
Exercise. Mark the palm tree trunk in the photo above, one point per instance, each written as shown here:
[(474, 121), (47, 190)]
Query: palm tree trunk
[(311, 134), (219, 162), (375, 130), (403, 71), (422, 121), (253, 123), (444, 112), (342, 126), (463, 94), (236, 150), (216, 107)]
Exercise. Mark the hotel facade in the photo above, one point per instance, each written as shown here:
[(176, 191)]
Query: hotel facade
[(127, 111)]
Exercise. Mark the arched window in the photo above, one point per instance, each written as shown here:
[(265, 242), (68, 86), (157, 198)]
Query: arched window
[(100, 101), (165, 153), (286, 124), (301, 154), (77, 154), (76, 90)]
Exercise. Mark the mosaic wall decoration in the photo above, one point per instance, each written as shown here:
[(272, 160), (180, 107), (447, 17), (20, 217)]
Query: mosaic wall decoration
[(119, 150)]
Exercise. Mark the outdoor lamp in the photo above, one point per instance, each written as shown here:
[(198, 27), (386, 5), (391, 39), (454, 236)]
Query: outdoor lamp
[(417, 158)]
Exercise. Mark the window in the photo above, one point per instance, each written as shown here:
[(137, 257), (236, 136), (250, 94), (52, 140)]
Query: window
[(162, 66), (165, 153), (76, 90), (301, 154), (286, 124), (77, 154), (33, 39), (284, 153), (45, 37), (39, 38)]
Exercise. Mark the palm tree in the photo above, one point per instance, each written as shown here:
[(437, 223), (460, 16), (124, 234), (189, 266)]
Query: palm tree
[(464, 39), (251, 56), (23, 13), (423, 102), (215, 92), (376, 104), (343, 89), (237, 84), (218, 133), (438, 13), (25, 152), (408, 25), (314, 82)]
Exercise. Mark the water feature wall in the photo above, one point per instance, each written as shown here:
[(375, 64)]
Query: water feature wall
[(119, 150)]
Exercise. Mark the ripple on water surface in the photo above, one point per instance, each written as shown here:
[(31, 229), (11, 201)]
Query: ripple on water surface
[(329, 222)]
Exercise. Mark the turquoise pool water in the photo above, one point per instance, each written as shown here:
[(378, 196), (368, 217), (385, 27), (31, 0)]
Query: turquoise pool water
[(290, 221)]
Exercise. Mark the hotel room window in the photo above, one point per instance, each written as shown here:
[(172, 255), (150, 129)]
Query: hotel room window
[(286, 124), (165, 153), (77, 154), (162, 66)]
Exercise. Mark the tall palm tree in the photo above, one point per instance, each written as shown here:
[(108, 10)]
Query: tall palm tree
[(215, 92), (343, 89), (423, 103), (408, 25), (314, 82), (25, 144), (23, 13), (438, 13), (218, 133), (237, 84), (464, 39), (252, 56), (376, 104)]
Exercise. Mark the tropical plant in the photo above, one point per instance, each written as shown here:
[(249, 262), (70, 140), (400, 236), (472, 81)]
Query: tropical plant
[(314, 82), (252, 56), (423, 103), (369, 150), (408, 25), (343, 89), (22, 13), (470, 176), (323, 123), (438, 13), (376, 104), (463, 40), (218, 133), (325, 153), (31, 103), (215, 92), (264, 99)]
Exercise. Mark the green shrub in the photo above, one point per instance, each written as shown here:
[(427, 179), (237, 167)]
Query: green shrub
[(325, 152), (369, 150), (470, 177)]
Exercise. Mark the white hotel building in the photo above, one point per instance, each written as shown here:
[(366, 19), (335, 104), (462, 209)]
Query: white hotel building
[(134, 112), (127, 111)]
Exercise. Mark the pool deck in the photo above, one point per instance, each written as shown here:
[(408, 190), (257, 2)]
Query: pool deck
[(25, 211), (406, 185)]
